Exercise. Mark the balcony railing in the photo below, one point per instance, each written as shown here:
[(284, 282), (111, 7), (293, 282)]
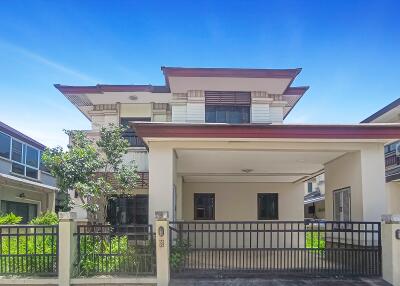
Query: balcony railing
[(143, 180), (133, 139)]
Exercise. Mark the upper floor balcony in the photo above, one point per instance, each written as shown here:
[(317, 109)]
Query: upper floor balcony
[(392, 161)]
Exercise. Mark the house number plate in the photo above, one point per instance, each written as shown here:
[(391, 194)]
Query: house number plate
[(161, 243)]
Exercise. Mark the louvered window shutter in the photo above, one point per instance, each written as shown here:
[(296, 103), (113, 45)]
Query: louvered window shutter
[(228, 98)]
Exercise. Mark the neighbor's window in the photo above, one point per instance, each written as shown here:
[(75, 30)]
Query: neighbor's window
[(26, 211), (227, 107), (5, 142), (25, 159), (267, 206), (204, 206)]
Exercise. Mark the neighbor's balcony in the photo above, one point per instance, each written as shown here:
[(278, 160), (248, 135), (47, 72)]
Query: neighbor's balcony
[(392, 162), (133, 139)]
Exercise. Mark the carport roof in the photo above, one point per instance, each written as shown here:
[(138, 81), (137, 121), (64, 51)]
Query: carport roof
[(284, 131)]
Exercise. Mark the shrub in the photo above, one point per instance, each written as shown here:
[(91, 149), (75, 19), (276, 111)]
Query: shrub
[(22, 241), (47, 218), (103, 255), (179, 252), (10, 219)]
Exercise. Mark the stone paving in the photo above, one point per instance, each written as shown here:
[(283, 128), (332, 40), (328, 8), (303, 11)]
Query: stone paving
[(281, 282)]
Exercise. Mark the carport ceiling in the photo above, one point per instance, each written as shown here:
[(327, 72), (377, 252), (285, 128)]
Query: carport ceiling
[(250, 166)]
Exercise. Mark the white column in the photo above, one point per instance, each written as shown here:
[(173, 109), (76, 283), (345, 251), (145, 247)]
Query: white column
[(391, 249), (373, 182), (161, 173), (162, 248), (67, 247)]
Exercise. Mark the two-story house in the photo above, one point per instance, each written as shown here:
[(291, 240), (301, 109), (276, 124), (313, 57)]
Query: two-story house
[(390, 114), (211, 144), (26, 188)]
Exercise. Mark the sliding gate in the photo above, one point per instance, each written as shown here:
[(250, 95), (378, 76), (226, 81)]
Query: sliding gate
[(317, 248)]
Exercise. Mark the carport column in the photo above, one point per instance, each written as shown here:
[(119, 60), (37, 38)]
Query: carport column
[(373, 182), (67, 247), (161, 178), (391, 249), (162, 248)]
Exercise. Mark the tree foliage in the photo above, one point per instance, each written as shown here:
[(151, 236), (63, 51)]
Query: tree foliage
[(94, 169)]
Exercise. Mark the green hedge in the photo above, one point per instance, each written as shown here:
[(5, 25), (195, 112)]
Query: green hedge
[(24, 252), (102, 255)]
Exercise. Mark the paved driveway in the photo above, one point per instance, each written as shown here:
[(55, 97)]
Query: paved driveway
[(281, 282)]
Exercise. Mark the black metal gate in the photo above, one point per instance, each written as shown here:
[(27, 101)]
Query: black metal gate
[(317, 248)]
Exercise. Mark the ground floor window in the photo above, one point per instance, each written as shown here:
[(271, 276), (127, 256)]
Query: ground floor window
[(204, 206), (267, 206), (128, 210), (341, 205), (24, 210)]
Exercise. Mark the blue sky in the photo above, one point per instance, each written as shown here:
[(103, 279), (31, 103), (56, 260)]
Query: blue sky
[(349, 52)]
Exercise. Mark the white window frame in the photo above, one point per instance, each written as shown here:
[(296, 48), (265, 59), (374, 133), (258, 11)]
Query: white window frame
[(23, 163), (341, 214)]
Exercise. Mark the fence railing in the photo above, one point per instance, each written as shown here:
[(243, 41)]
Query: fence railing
[(105, 249), (315, 247), (28, 249)]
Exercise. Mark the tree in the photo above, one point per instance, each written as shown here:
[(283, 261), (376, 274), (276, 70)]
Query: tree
[(93, 169)]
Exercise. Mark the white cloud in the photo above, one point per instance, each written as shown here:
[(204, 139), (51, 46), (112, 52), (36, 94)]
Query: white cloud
[(52, 64)]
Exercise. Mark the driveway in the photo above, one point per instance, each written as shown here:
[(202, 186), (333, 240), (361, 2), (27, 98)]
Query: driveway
[(281, 282)]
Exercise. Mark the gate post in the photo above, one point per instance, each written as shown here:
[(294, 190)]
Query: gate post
[(391, 249), (162, 248), (66, 247)]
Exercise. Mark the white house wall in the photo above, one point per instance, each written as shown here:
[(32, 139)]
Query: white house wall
[(238, 201)]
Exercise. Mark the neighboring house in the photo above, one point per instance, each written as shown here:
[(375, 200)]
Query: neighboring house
[(211, 145), (390, 114), (26, 189), (314, 198)]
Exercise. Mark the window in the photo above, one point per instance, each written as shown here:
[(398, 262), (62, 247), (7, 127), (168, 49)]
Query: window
[(26, 211), (309, 187), (341, 205), (227, 106), (227, 114), (267, 206), (5, 142), (204, 206), (128, 210), (25, 160)]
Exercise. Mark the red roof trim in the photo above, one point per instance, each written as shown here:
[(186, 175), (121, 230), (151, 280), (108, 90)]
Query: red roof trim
[(101, 88), (174, 130), (230, 72), (298, 90), (382, 111)]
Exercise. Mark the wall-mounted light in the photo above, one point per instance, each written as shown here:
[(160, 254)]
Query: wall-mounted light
[(247, 170), (21, 195)]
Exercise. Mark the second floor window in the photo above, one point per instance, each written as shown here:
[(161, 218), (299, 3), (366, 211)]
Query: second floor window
[(25, 159), (227, 114), (227, 107)]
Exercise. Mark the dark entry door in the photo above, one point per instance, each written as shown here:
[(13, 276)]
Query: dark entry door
[(128, 210)]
